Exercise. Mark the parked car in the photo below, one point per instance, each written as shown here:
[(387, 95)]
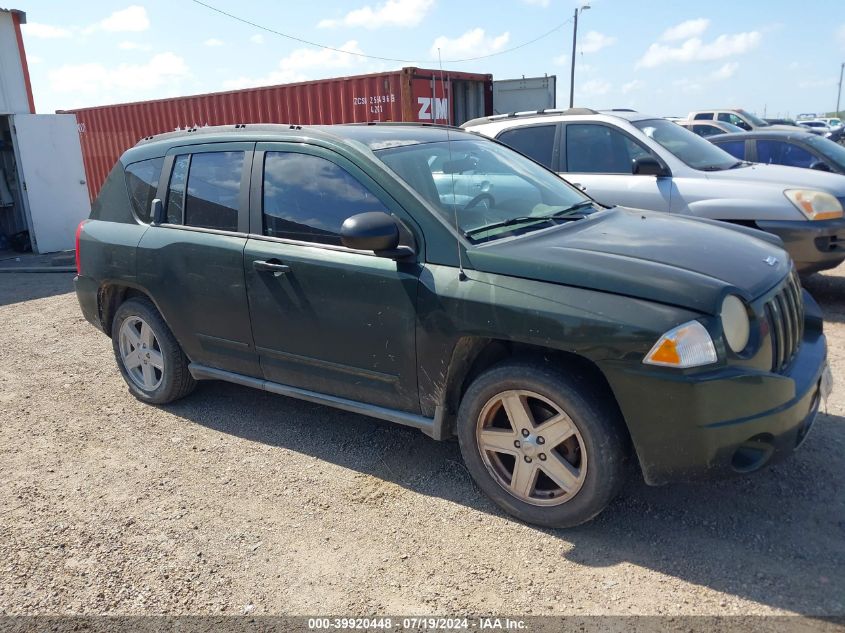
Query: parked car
[(709, 128), (790, 122), (646, 162), (738, 117), (796, 149), (547, 332), (816, 127), (833, 123)]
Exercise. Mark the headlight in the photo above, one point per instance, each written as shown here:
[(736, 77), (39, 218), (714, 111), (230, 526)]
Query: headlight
[(816, 205), (735, 323), (688, 345)]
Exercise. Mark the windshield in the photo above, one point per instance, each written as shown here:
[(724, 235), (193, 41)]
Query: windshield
[(755, 120), (486, 188), (686, 146), (833, 151)]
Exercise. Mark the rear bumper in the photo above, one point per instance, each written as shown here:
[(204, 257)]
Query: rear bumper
[(726, 422), (814, 246), (86, 294)]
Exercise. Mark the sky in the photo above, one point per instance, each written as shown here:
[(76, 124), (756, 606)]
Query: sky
[(663, 57)]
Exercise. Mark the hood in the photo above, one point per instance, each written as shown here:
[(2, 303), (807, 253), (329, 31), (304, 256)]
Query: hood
[(788, 177), (650, 255)]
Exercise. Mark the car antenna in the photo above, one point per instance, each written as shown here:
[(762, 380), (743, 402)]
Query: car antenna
[(462, 276)]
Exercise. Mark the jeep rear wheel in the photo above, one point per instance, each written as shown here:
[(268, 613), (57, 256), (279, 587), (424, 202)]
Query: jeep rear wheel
[(541, 444), (149, 357)]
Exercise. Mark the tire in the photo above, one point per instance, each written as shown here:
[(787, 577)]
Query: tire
[(588, 465), (140, 334)]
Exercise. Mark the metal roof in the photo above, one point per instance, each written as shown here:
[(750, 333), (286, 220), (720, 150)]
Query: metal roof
[(21, 14)]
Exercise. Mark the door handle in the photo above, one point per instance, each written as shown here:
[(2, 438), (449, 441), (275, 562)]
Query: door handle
[(271, 266), (578, 185)]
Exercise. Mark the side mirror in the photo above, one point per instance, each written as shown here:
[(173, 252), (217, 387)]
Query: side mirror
[(647, 166), (820, 166), (743, 125), (374, 231), (157, 211)]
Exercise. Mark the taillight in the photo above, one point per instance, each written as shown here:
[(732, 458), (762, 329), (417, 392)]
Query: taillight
[(78, 233)]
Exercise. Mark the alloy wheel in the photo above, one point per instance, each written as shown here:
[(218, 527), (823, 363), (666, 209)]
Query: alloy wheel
[(140, 353), (531, 447)]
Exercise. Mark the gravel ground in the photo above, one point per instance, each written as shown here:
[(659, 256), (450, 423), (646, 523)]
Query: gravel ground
[(237, 501)]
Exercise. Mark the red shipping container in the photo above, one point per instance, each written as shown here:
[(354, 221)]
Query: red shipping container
[(409, 94)]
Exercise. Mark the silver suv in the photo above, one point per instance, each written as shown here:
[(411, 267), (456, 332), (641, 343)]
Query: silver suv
[(621, 157)]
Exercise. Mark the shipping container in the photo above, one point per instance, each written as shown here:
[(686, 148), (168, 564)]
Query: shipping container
[(527, 93), (409, 94)]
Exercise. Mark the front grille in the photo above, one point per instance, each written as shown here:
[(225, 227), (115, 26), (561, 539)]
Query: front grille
[(785, 312)]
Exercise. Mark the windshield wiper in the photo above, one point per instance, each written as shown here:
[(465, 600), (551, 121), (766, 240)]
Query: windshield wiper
[(522, 219), (567, 213), (571, 209)]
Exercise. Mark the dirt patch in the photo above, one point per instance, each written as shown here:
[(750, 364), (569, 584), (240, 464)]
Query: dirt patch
[(234, 500)]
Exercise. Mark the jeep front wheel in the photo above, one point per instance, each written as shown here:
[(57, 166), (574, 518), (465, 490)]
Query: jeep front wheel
[(540, 444)]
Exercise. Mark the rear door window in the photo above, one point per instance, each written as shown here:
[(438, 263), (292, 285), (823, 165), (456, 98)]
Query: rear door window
[(536, 142), (214, 186), (176, 190), (703, 116), (307, 197), (734, 148), (142, 182), (780, 153)]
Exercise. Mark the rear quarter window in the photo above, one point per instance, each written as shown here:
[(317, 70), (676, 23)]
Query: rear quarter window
[(141, 183)]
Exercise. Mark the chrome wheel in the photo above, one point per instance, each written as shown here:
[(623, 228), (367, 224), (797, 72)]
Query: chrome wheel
[(140, 353), (531, 447)]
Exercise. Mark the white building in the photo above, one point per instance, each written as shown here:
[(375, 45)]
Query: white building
[(43, 195)]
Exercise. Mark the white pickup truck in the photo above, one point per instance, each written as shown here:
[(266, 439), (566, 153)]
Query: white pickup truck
[(739, 118)]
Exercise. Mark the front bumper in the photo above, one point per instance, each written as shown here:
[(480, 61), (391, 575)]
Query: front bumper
[(814, 246), (729, 421)]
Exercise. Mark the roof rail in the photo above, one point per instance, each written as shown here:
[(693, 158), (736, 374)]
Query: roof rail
[(527, 113)]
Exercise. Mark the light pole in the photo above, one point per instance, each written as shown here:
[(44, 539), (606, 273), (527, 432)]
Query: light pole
[(572, 71), (839, 91)]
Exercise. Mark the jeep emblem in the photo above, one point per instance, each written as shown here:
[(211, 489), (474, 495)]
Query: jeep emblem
[(771, 261)]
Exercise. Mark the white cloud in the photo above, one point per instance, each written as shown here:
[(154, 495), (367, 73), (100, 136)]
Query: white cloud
[(593, 88), (538, 3), (45, 31), (257, 39), (688, 86), (594, 41), (133, 18), (818, 83), (304, 64), (694, 49), (33, 59), (632, 86), (391, 13), (124, 81), (726, 71), (213, 41), (134, 46), (473, 43), (685, 30)]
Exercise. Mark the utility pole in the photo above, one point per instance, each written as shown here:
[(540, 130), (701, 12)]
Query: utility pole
[(572, 69), (839, 91)]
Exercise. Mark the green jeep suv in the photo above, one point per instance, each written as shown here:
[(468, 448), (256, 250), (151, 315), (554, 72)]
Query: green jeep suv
[(438, 279)]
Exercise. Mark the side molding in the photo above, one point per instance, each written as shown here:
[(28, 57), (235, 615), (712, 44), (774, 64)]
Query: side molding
[(434, 428)]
